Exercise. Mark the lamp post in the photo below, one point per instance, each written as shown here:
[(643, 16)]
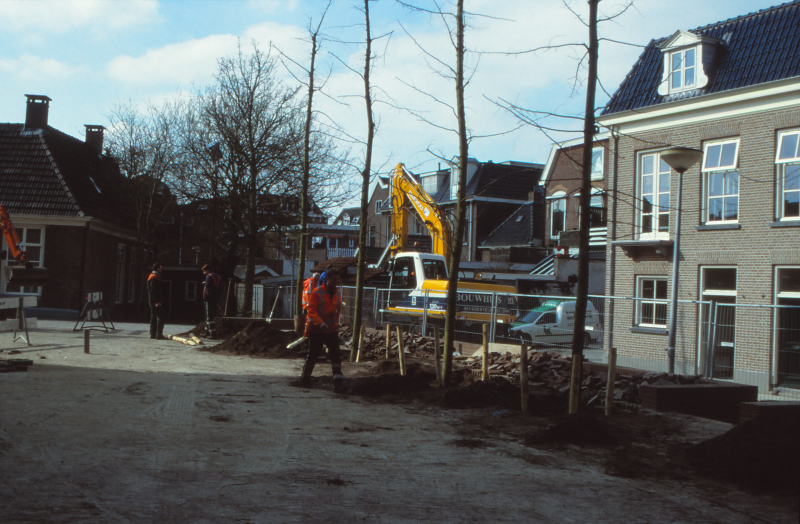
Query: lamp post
[(680, 159), (216, 154)]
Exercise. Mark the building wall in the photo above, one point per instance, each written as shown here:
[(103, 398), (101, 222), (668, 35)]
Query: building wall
[(754, 248), (378, 220)]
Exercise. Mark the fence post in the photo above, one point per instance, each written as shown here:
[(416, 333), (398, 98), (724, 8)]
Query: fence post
[(485, 353), (360, 344), (523, 377), (612, 376), (86, 334), (712, 354), (493, 316), (401, 357)]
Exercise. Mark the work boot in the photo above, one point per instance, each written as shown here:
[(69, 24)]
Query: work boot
[(305, 381), (338, 384)]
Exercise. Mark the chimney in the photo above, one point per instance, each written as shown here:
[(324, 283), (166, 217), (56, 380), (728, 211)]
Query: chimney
[(36, 112), (94, 137)]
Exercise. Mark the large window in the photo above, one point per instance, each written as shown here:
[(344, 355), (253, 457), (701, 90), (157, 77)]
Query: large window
[(788, 160), (721, 181), (597, 163), (558, 211), (32, 242), (654, 179), (652, 304), (120, 287), (682, 69)]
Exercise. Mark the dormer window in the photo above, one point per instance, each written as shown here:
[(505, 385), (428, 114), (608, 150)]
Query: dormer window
[(683, 69)]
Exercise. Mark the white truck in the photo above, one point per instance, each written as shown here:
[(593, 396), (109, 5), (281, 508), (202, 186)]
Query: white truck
[(552, 324)]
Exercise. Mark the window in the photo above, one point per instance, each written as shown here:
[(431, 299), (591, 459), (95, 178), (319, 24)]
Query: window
[(548, 318), (558, 211), (788, 160), (597, 163), (403, 276), (682, 69), (721, 181), (429, 184), (654, 178), (120, 287), (191, 291), (434, 269), (32, 242), (351, 242), (652, 303), (133, 277), (378, 206), (787, 324)]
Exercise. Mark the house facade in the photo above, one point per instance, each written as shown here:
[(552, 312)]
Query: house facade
[(64, 199), (731, 90)]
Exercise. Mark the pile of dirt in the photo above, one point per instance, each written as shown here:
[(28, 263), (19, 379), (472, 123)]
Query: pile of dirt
[(760, 454), (495, 392), (225, 327), (582, 429), (417, 381), (259, 339)]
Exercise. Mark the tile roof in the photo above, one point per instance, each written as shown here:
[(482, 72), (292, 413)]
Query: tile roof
[(757, 48), (490, 180), (47, 172), (525, 225)]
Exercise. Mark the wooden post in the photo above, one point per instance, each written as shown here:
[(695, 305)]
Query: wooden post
[(401, 357), (360, 344), (228, 297), (612, 376), (86, 333), (575, 384), (523, 377), (388, 338), (485, 354), (437, 355)]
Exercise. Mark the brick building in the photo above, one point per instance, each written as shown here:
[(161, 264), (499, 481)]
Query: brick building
[(64, 198), (732, 90)]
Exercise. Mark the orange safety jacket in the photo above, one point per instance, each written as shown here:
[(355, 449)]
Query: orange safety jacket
[(323, 308), (308, 287)]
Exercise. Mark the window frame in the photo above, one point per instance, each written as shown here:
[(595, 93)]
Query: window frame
[(781, 165), (684, 86), (559, 197), (641, 300), (187, 288), (708, 172), (655, 233), (24, 244), (598, 175)]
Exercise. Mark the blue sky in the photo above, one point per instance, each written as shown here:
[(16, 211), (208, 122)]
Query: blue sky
[(88, 55)]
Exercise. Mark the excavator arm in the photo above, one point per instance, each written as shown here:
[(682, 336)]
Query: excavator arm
[(405, 193), (25, 273)]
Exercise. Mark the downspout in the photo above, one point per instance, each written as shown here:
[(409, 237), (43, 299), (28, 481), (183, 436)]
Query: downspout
[(83, 263), (612, 257)]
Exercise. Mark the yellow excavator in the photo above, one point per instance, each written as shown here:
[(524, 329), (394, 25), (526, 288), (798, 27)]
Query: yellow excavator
[(418, 281), (24, 273)]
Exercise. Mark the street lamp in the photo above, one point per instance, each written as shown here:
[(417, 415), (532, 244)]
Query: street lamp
[(216, 155), (680, 159)]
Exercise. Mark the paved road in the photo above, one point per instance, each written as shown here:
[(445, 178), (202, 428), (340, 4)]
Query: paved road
[(144, 431)]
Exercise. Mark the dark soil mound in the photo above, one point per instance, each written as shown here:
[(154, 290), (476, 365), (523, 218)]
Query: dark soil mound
[(259, 339), (761, 454), (416, 381), (495, 392), (226, 327), (584, 430)]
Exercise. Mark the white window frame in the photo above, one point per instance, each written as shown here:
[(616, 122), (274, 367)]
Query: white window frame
[(657, 192), (682, 69), (378, 206), (24, 245), (190, 293), (778, 293), (597, 174), (716, 292), (119, 289), (726, 169), (557, 198), (132, 277), (655, 302), (782, 164)]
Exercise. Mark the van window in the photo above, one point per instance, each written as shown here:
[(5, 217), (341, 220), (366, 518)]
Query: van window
[(548, 318)]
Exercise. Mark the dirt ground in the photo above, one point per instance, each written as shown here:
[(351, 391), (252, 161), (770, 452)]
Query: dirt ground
[(156, 431)]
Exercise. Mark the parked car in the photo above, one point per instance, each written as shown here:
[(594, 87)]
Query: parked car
[(553, 321)]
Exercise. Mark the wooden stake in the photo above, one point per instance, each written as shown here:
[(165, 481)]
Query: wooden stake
[(86, 335), (523, 377), (388, 338), (575, 384), (437, 355), (360, 344), (228, 297), (485, 354), (612, 376), (400, 354)]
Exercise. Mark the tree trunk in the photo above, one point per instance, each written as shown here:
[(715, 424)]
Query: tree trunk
[(362, 233), (579, 331), (463, 152)]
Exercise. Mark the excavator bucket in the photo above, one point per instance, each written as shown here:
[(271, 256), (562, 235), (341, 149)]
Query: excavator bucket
[(25, 276)]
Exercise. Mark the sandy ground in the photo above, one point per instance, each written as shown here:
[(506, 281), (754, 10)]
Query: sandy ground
[(154, 431)]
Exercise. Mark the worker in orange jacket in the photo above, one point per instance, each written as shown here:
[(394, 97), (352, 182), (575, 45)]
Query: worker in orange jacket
[(322, 328), (309, 285)]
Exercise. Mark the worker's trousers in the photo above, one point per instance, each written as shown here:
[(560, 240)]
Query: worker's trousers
[(156, 321), (211, 310), (315, 343)]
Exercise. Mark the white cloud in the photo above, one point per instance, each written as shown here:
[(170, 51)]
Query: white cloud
[(273, 6), (60, 16), (34, 68)]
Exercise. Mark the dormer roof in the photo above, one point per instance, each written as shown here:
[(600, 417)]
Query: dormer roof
[(749, 50)]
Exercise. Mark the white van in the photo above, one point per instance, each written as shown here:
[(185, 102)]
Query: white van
[(553, 321)]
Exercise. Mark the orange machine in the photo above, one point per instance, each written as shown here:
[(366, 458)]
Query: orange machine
[(24, 273)]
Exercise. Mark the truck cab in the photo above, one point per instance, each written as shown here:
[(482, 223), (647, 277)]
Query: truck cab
[(408, 271)]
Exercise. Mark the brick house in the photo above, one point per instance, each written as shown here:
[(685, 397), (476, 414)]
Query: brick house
[(63, 196), (732, 90)]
